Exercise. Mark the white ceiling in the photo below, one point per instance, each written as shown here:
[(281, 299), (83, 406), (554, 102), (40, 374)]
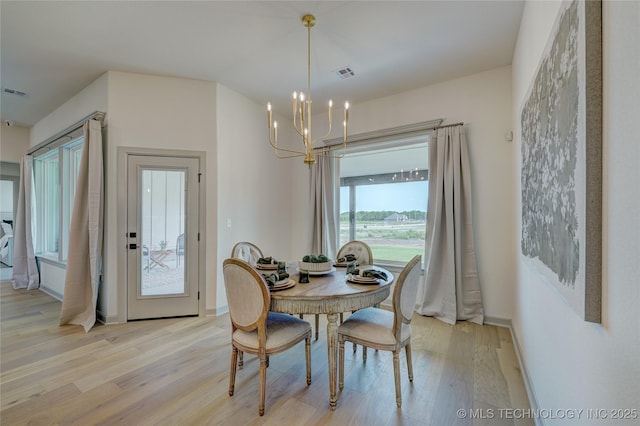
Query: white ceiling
[(52, 49)]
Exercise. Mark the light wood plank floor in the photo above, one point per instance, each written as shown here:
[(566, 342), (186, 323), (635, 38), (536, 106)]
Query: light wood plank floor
[(176, 372)]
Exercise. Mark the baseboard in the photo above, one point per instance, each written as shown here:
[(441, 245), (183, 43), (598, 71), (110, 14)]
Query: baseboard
[(217, 311), (528, 384), (51, 293), (497, 321), (106, 319)]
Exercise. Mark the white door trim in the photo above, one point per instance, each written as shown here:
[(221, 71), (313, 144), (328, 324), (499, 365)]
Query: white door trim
[(122, 179)]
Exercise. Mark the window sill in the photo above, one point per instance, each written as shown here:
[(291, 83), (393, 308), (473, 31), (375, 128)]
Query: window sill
[(51, 259), (391, 266)]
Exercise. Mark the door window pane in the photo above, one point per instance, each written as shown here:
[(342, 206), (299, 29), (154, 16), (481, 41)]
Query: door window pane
[(162, 226)]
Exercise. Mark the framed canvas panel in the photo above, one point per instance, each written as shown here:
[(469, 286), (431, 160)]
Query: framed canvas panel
[(561, 156)]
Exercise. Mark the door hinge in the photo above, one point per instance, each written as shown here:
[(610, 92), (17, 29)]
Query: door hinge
[(199, 175), (198, 295), (198, 236)]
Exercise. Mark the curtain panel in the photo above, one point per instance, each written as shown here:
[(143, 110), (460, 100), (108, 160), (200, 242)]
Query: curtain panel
[(325, 193), (452, 287), (25, 268), (84, 260)]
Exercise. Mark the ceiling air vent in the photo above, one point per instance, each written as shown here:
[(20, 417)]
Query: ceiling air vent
[(345, 72), (13, 92)]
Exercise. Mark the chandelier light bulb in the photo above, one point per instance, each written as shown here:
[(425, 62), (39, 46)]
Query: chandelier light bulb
[(302, 115)]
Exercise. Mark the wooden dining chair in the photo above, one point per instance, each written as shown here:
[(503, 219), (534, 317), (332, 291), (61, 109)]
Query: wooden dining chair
[(250, 253), (359, 249), (179, 248), (364, 256), (385, 330), (254, 329), (246, 251)]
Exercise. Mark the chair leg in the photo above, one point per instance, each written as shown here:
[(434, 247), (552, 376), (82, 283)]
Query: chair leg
[(307, 350), (340, 363), (396, 374), (263, 383), (407, 351), (232, 372), (240, 360), (354, 344), (317, 325)]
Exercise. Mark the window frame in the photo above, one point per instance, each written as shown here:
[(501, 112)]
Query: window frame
[(44, 210), (399, 141), (68, 154)]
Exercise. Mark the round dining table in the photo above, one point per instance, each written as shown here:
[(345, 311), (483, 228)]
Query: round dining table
[(331, 294)]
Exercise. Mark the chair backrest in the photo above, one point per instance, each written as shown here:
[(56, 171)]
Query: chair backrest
[(405, 292), (246, 251), (248, 296), (180, 244), (360, 249)]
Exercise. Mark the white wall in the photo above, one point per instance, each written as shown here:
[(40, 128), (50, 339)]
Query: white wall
[(148, 111), (254, 187), (248, 185), (145, 112), (14, 143), (483, 102), (91, 98), (572, 363)]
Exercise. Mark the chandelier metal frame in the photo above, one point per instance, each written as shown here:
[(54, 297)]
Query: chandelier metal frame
[(301, 107)]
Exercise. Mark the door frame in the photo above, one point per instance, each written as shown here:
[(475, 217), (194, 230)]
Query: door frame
[(123, 154)]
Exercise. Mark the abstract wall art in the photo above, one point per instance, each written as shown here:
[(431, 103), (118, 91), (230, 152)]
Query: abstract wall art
[(561, 155)]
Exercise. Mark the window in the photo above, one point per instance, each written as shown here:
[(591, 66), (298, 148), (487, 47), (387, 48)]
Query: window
[(383, 198), (55, 179)]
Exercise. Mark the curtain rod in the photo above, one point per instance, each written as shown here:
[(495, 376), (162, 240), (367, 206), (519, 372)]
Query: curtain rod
[(385, 134), (96, 115), (449, 125)]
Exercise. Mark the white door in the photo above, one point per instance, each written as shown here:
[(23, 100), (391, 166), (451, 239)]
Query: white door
[(162, 236)]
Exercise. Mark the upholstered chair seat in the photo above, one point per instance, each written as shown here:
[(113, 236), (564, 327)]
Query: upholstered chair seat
[(373, 324), (282, 328)]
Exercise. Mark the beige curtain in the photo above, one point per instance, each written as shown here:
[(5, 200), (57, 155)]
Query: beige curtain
[(325, 193), (452, 287), (84, 260), (25, 268)]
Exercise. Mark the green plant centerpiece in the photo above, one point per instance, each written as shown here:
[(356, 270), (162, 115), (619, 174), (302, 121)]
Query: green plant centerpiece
[(315, 263)]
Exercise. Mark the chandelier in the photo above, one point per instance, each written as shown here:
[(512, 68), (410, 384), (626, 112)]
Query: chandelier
[(408, 175), (301, 105)]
